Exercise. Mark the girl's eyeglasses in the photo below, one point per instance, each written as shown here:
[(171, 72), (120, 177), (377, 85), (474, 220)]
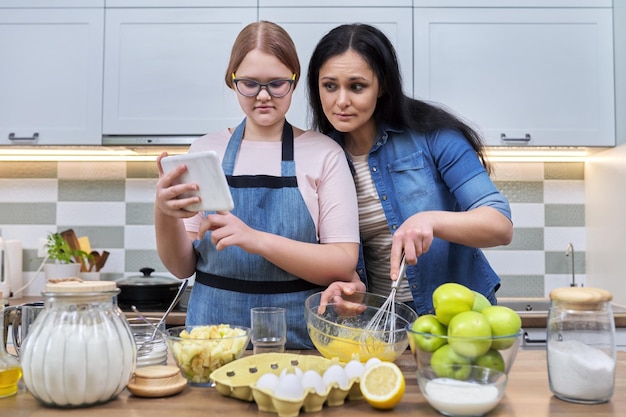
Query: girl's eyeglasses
[(275, 88)]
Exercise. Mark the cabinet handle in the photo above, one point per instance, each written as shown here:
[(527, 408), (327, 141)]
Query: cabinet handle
[(527, 339), (26, 138), (526, 138)]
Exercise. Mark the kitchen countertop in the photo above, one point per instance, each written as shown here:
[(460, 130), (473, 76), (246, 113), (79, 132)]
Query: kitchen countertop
[(175, 318), (527, 394), (538, 319), (530, 319)]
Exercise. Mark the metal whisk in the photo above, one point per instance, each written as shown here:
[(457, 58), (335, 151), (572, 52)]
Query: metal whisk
[(384, 321)]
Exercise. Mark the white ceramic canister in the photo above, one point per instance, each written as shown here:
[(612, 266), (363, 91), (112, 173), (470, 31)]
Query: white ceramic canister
[(80, 350), (581, 345)]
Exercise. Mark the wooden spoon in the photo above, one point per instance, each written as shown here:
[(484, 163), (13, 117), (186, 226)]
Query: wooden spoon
[(101, 260), (93, 260)]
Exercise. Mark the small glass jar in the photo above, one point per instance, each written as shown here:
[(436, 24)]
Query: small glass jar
[(10, 370), (151, 344), (80, 350), (581, 345)]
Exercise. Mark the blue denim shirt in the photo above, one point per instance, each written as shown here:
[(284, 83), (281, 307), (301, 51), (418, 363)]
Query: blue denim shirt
[(438, 171)]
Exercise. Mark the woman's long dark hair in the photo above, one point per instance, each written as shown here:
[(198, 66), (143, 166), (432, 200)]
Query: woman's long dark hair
[(393, 107)]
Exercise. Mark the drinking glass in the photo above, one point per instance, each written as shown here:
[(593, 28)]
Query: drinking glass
[(269, 329)]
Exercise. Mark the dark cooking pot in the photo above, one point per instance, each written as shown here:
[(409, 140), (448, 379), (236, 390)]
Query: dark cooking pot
[(147, 290)]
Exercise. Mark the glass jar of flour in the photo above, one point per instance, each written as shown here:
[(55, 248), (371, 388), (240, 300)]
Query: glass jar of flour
[(581, 345), (80, 350)]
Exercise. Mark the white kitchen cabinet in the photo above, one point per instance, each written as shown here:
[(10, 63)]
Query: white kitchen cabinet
[(51, 4), (335, 3), (51, 76), (307, 26), (523, 76), (164, 72), (179, 3), (512, 3)]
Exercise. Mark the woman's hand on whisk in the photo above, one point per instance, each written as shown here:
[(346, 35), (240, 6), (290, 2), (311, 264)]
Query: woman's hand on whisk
[(338, 291), (412, 239)]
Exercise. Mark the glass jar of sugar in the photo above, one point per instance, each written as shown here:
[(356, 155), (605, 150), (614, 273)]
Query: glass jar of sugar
[(581, 345), (80, 350)]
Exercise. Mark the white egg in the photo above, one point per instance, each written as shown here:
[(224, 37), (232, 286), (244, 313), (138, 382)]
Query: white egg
[(354, 369), (312, 379), (372, 361), (267, 381), (335, 374), (289, 387), (292, 370)]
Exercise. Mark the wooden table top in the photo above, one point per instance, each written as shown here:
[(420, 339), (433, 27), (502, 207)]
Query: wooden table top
[(527, 394)]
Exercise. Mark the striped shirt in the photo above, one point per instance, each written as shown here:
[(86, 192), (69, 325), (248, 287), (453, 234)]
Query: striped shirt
[(375, 233)]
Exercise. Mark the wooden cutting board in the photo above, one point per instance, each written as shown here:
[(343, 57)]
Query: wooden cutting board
[(72, 240)]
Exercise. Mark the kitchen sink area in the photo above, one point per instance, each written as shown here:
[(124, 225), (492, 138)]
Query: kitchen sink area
[(524, 304), (539, 304)]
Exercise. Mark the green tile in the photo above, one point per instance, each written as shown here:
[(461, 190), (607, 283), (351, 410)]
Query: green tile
[(88, 190), (564, 215), (142, 170), (140, 213), (521, 286), (28, 213), (30, 261), (521, 191), (524, 238), (564, 170), (111, 276), (28, 170), (558, 263), (137, 259), (100, 236)]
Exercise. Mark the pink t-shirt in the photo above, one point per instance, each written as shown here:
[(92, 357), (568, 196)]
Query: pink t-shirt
[(324, 179)]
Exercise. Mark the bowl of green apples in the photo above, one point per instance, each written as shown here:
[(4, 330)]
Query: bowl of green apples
[(464, 351)]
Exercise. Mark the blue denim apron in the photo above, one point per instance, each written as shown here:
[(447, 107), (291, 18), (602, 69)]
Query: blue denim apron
[(230, 282)]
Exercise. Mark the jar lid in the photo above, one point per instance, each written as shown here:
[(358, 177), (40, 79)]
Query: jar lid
[(79, 286), (582, 296), (157, 372)]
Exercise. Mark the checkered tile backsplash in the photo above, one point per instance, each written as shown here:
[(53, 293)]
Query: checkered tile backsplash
[(112, 204)]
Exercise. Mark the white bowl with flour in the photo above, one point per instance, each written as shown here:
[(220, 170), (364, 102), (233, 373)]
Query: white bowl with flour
[(475, 396)]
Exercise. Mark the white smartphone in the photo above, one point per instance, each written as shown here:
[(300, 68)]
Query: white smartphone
[(204, 169)]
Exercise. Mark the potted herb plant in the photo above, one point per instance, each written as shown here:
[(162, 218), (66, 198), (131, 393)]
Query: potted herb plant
[(65, 260)]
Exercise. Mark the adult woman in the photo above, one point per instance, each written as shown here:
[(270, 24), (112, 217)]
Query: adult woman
[(292, 191), (422, 182)]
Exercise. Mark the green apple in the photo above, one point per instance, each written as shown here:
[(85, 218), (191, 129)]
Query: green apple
[(450, 299), (480, 302), (492, 359), (447, 363), (504, 321), (469, 334), (431, 329)]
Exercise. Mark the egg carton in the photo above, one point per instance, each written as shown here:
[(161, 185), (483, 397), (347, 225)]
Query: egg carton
[(238, 379)]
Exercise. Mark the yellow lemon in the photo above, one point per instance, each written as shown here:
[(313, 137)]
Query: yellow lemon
[(383, 385)]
